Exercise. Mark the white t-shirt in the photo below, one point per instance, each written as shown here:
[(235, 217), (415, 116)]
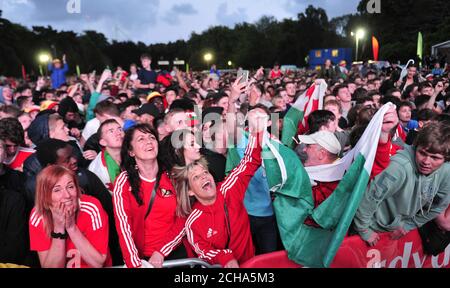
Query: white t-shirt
[(90, 128)]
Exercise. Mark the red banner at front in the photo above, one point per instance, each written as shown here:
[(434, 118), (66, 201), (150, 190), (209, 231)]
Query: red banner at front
[(406, 252)]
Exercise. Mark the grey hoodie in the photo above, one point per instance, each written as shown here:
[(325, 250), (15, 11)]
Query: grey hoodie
[(402, 197)]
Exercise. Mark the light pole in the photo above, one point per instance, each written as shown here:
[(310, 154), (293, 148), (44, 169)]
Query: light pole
[(208, 57), (358, 35)]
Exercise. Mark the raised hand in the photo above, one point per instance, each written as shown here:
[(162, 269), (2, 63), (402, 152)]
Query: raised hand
[(257, 121), (390, 121), (237, 89), (105, 75), (438, 88)]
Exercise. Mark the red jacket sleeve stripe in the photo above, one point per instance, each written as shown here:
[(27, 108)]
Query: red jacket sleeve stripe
[(167, 249), (125, 230), (194, 216), (35, 219), (233, 177), (94, 213)]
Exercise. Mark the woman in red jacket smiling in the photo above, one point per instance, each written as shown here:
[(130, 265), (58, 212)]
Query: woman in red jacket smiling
[(144, 202), (218, 227)]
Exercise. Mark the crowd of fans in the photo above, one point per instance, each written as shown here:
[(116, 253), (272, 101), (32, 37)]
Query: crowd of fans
[(129, 167)]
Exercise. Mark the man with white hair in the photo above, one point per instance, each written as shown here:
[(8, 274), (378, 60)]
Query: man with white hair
[(321, 148)]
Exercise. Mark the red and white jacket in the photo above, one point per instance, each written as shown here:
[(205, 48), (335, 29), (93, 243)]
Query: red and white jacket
[(92, 221), (206, 226), (139, 237)]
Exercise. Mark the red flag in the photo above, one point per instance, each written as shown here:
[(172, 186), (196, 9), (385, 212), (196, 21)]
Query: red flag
[(24, 73), (375, 47)]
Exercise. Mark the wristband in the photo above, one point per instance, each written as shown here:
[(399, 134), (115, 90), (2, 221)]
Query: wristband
[(59, 235)]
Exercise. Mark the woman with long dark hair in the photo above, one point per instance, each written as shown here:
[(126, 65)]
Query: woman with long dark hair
[(144, 201)]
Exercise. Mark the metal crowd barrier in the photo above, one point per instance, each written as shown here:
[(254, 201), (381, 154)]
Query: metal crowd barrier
[(186, 262)]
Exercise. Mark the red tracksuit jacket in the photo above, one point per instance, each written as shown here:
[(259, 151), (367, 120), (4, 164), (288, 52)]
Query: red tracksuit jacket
[(206, 226), (140, 237)]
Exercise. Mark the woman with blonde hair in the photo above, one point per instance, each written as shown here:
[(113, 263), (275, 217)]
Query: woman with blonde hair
[(67, 229), (218, 226)]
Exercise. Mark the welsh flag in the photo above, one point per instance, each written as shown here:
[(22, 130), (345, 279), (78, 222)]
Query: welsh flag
[(292, 184), (296, 119)]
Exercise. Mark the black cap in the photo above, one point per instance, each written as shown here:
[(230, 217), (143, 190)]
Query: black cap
[(147, 108)]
